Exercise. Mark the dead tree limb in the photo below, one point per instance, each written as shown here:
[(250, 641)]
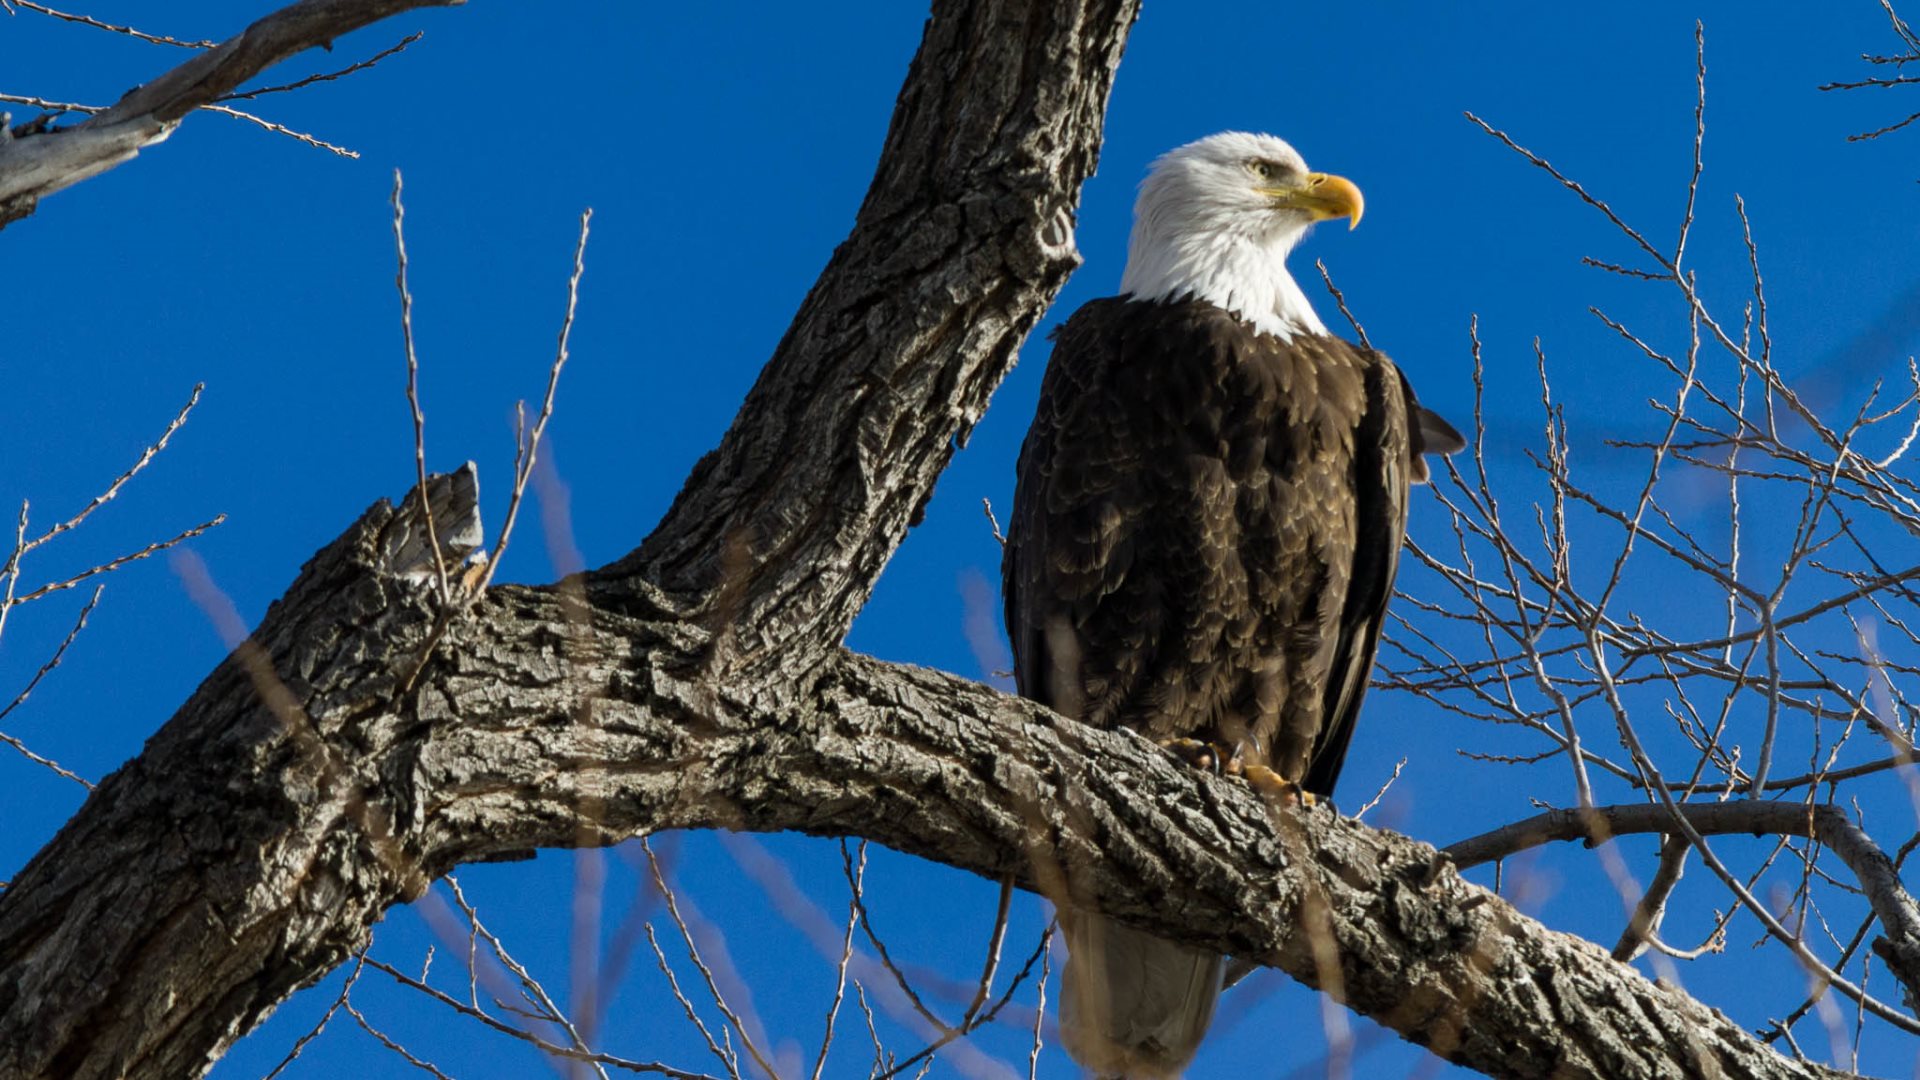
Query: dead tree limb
[(45, 161)]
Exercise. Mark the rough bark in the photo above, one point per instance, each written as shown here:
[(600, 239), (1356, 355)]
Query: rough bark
[(254, 842), (964, 238), (335, 764), (39, 164)]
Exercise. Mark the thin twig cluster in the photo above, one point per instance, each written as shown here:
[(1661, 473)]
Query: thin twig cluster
[(16, 593), (52, 109), (1735, 627), (1910, 52)]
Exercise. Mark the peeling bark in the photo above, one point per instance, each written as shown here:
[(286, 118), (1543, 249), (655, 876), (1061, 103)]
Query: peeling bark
[(360, 744)]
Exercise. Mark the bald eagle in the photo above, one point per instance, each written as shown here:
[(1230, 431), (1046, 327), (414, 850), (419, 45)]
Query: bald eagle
[(1210, 507)]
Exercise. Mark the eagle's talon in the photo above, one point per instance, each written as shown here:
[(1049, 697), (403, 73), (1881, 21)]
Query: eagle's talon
[(1275, 788), (1201, 755), (1237, 761)]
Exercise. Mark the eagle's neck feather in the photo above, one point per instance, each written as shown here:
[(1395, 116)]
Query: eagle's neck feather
[(1244, 273)]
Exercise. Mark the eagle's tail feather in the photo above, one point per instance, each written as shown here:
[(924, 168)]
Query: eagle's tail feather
[(1133, 1005)]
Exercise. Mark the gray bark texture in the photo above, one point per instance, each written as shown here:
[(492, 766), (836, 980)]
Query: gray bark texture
[(367, 740)]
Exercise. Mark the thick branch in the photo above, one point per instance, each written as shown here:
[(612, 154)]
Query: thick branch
[(42, 163), (961, 244), (265, 829)]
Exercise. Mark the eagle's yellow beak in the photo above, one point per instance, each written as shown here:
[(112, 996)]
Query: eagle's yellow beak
[(1323, 196)]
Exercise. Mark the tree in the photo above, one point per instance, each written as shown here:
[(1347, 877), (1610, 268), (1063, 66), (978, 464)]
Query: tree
[(395, 715)]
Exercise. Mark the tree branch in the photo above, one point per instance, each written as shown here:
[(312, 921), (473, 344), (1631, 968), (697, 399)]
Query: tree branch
[(961, 244), (260, 835), (1899, 915), (43, 162)]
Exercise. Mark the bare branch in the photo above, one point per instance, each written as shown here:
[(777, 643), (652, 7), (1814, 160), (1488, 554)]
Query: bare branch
[(846, 954), (387, 1041), (79, 624), (331, 75), (84, 20), (527, 446), (113, 564), (1643, 926), (281, 129), (700, 965), (340, 999), (1382, 793), (146, 458), (42, 163), (413, 389), (1340, 299)]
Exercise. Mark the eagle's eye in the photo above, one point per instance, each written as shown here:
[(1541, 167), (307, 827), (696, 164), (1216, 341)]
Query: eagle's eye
[(1261, 169)]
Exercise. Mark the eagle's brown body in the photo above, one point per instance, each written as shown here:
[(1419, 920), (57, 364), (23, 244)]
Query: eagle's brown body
[(1203, 543), (1210, 507), (1205, 531)]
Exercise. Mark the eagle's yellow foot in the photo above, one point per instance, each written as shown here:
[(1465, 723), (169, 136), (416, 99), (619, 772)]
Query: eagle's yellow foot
[(1201, 755), (1273, 787)]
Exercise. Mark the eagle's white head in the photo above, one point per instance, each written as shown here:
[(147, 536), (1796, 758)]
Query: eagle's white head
[(1215, 220)]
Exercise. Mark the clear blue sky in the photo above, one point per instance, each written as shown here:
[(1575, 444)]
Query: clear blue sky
[(724, 149)]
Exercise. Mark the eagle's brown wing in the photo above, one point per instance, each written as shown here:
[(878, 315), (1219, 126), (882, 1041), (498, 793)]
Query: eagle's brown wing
[(1388, 456)]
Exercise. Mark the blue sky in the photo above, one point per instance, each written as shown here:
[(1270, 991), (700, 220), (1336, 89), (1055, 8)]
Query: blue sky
[(724, 149)]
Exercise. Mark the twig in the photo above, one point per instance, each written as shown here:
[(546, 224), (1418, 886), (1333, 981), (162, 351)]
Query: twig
[(693, 951), (1382, 793), (418, 1063), (1574, 186), (84, 20), (300, 1044), (413, 389), (45, 762), (880, 1055), (544, 1046), (111, 565), (886, 958), (51, 106), (926, 1053), (995, 939), (527, 446), (1039, 1012), (840, 970), (531, 989), (986, 507), (146, 458), (59, 653), (329, 76), (686, 1006), (282, 129), (1341, 300)]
